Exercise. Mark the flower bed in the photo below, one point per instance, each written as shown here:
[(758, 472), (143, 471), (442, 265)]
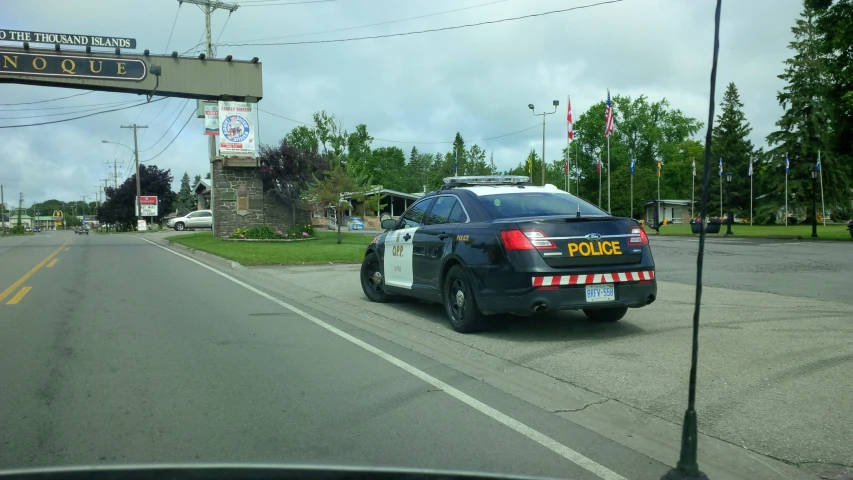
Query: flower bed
[(264, 233)]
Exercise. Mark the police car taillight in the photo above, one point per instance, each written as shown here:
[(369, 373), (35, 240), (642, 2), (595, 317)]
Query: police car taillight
[(638, 237), (515, 240), (536, 238), (527, 239)]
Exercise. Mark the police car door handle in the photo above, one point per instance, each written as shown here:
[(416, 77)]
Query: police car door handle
[(406, 237), (443, 236)]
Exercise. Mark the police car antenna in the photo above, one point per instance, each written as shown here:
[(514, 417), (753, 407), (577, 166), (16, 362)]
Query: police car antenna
[(579, 210)]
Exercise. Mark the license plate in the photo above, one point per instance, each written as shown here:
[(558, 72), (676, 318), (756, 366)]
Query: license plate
[(600, 293)]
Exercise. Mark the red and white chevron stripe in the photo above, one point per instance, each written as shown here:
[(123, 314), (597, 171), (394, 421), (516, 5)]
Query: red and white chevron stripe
[(593, 278)]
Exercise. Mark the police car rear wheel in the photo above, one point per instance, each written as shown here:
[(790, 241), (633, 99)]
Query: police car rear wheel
[(459, 302), (372, 282), (606, 314)]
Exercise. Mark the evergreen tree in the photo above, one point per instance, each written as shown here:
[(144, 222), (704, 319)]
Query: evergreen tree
[(185, 202), (813, 120), (731, 143)]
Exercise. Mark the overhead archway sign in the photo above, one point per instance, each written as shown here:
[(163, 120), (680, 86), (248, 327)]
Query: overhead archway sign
[(62, 65), (96, 41)]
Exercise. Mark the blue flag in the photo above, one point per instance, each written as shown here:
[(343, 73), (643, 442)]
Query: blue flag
[(633, 161), (454, 162), (787, 163), (817, 165), (721, 166)]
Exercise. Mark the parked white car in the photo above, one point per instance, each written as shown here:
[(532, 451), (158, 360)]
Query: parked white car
[(197, 219)]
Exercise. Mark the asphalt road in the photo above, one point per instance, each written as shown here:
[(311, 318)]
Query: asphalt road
[(776, 348), (114, 350)]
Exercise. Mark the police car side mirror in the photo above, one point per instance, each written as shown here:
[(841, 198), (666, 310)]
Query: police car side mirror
[(388, 223)]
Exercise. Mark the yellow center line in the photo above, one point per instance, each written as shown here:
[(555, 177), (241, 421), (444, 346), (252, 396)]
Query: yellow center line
[(18, 296), (32, 272), (52, 263)]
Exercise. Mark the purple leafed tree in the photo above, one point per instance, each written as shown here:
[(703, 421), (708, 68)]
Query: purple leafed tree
[(291, 170)]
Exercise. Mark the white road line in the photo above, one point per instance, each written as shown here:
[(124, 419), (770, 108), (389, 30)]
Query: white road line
[(536, 436)]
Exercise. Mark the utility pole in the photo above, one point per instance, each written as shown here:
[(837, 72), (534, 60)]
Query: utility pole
[(2, 211), (20, 206), (115, 165), (136, 127), (209, 6)]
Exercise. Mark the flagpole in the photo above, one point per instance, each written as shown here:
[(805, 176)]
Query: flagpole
[(568, 143), (608, 174), (786, 192), (822, 203), (693, 193), (721, 196), (599, 179), (751, 194)]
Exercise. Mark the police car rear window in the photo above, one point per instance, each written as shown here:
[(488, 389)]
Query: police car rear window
[(536, 204)]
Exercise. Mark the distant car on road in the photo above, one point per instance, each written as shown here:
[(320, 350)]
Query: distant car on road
[(197, 219), (81, 230)]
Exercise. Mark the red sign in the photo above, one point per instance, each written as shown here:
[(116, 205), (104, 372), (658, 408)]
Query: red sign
[(148, 200)]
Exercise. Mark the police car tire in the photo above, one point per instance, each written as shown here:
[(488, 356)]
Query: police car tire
[(606, 314), (472, 319), (367, 287)]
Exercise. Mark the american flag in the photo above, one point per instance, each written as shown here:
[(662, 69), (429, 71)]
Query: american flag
[(569, 120), (608, 118)]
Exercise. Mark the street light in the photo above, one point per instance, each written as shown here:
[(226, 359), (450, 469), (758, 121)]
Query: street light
[(138, 193), (729, 198), (814, 173), (530, 106)]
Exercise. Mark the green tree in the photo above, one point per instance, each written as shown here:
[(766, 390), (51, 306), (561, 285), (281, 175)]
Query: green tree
[(810, 123), (387, 165), (336, 181), (185, 201), (731, 143), (834, 21), (647, 131), (303, 138), (358, 151)]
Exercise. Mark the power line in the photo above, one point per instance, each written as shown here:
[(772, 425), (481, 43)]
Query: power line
[(63, 113), (82, 116), (192, 113), (407, 141), (374, 24), (402, 34), (45, 101), (167, 130), (66, 106), (216, 44), (174, 22), (272, 3)]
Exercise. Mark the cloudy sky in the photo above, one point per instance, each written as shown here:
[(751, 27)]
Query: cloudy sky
[(419, 88)]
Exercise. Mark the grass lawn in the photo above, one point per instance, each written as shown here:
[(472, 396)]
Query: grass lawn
[(323, 250), (829, 232)]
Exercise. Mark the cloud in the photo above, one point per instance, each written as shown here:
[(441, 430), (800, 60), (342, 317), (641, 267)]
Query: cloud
[(419, 88)]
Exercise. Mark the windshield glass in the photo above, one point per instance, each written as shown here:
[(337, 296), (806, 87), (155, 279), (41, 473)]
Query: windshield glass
[(536, 204)]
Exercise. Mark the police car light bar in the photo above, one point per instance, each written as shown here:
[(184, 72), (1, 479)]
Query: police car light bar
[(486, 180)]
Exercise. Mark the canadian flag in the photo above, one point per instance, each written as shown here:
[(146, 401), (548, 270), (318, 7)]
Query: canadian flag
[(569, 120)]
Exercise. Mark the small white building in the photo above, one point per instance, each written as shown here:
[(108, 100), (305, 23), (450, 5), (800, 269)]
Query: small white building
[(674, 211)]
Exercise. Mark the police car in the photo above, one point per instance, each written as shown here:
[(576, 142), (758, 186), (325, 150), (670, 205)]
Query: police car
[(497, 244)]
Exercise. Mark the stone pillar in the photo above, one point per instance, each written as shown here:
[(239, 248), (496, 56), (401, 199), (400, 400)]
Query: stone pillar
[(225, 182)]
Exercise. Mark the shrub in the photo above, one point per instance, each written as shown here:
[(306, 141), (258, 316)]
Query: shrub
[(264, 232), (18, 230)]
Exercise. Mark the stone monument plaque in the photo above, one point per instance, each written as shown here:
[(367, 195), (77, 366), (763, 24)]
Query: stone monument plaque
[(242, 200)]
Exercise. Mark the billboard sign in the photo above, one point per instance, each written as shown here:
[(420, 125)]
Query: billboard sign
[(238, 129), (211, 118), (149, 206), (7, 35)]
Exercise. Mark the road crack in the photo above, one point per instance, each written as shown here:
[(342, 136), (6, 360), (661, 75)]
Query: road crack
[(569, 410)]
